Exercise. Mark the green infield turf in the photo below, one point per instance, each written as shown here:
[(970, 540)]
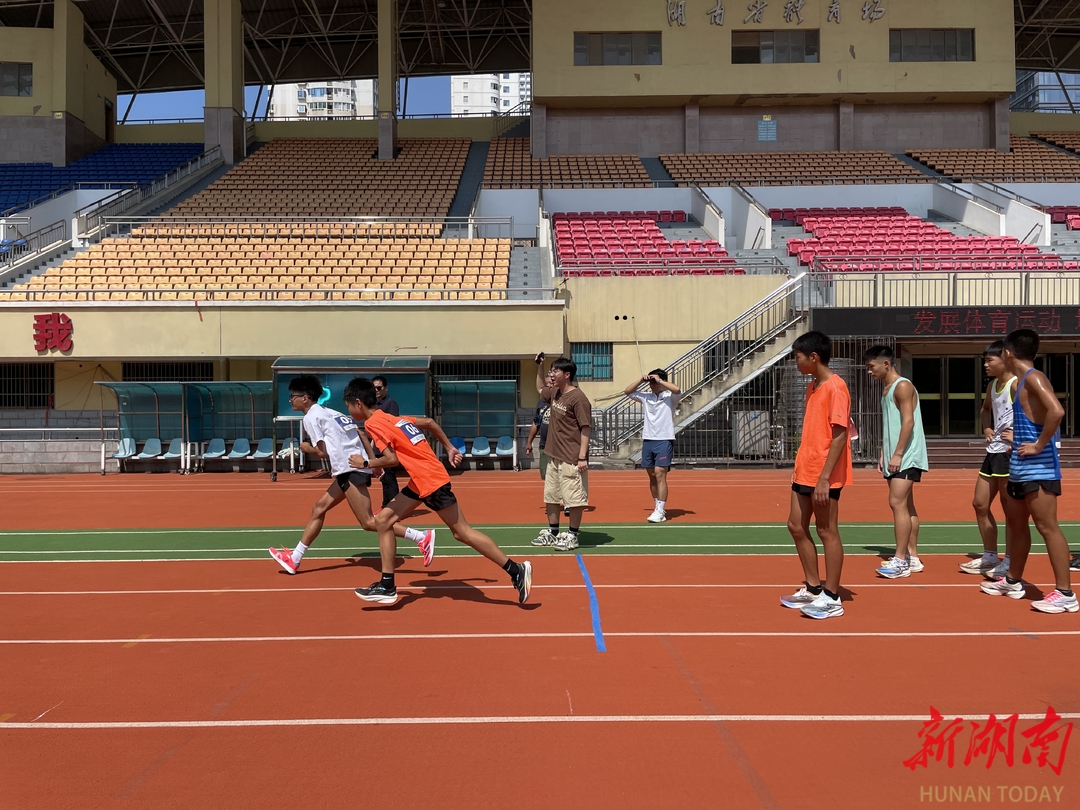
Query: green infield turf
[(668, 538)]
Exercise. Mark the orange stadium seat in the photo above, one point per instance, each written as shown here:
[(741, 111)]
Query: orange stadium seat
[(511, 165), (791, 168), (1027, 161)]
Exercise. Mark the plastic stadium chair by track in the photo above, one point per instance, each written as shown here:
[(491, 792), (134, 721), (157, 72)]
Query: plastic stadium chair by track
[(151, 450), (459, 444), (126, 449), (505, 447), (216, 449), (481, 447), (241, 449), (174, 449), (264, 450)]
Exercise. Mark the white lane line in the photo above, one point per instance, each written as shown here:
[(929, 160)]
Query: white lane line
[(482, 720), (477, 636), (484, 587)]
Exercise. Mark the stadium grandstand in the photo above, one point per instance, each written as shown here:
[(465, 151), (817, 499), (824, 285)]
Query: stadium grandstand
[(683, 190)]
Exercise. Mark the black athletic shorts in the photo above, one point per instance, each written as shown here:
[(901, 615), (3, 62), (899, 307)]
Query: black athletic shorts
[(350, 479), (440, 499), (803, 489), (911, 474), (1020, 489), (995, 465)]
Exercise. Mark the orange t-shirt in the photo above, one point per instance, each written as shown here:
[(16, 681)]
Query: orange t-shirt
[(400, 434), (827, 404)]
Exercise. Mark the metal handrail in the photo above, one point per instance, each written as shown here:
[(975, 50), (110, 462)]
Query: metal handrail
[(761, 182), (91, 217), (33, 244), (60, 192), (715, 357), (1005, 192), (250, 294), (990, 262), (885, 290), (503, 122)]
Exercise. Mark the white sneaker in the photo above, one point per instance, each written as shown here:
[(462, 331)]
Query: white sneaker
[(566, 541), (1057, 602), (658, 516), (823, 608), (545, 538), (1001, 587), (998, 571), (915, 565), (980, 565), (894, 568), (800, 599)]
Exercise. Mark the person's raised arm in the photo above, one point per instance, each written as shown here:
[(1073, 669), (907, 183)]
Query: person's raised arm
[(632, 387), (904, 397), (540, 373), (1038, 385)]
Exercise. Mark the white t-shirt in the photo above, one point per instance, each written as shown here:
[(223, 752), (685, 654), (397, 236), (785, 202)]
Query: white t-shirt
[(338, 432), (659, 414)]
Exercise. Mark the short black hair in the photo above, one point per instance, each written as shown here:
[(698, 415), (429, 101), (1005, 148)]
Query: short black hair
[(817, 343), (994, 349), (380, 379), (1023, 343), (879, 351), (307, 384), (659, 372), (565, 364), (363, 390)]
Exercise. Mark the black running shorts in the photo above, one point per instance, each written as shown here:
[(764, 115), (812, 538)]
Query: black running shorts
[(1021, 489), (804, 490), (440, 499)]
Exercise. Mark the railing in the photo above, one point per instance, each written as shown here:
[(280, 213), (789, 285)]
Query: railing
[(298, 227), (883, 290), (31, 245), (816, 181), (714, 358), (262, 293), (1012, 195), (135, 121), (59, 192), (752, 265), (962, 263), (504, 121), (48, 434), (90, 217)]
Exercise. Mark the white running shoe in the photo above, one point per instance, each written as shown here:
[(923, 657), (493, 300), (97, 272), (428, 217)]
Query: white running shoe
[(658, 516), (801, 598), (915, 565), (980, 565), (545, 538), (1001, 587), (823, 608), (999, 570), (894, 568), (1057, 602), (566, 541)]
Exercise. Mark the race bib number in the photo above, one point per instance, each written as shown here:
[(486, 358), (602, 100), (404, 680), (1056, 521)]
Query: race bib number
[(346, 423), (411, 431)]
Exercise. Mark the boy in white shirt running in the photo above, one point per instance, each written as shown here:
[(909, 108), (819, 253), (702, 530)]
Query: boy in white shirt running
[(658, 405), (336, 437)]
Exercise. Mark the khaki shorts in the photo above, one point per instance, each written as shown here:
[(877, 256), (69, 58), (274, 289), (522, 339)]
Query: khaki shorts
[(565, 484), (545, 459)]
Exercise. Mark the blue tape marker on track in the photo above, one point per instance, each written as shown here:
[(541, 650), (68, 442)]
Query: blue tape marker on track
[(594, 606)]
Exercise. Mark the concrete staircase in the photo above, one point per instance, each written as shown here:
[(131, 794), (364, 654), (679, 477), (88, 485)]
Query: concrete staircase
[(471, 177), (525, 274), (522, 129), (656, 171), (1065, 243), (967, 453)]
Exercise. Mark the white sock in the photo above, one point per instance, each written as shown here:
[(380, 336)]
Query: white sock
[(298, 553), (660, 505), (991, 555), (656, 502), (413, 534)]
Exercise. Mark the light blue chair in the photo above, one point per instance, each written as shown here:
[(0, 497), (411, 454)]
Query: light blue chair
[(264, 450), (174, 449), (481, 447), (126, 449), (458, 444), (241, 449), (290, 447), (216, 449), (152, 449), (505, 446)]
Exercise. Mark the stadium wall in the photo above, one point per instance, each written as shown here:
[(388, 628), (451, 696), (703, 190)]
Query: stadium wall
[(698, 100), (1026, 123)]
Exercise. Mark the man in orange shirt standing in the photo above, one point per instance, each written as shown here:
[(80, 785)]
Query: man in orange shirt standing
[(403, 442), (822, 470)]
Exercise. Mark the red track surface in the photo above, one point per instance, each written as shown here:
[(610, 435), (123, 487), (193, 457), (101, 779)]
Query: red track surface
[(736, 764)]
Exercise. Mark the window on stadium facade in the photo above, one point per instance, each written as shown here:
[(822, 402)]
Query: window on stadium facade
[(593, 361), (775, 47), (27, 386), (168, 372), (630, 48), (932, 45), (16, 79)]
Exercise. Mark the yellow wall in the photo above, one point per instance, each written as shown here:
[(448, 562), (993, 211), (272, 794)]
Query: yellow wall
[(160, 133), (165, 332), (668, 316), (1026, 123), (98, 86), (697, 57), (32, 45), (75, 389)]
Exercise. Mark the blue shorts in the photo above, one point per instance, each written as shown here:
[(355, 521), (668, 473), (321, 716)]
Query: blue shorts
[(656, 453)]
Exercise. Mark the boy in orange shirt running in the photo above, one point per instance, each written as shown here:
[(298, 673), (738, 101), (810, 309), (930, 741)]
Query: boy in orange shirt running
[(402, 441), (822, 470)]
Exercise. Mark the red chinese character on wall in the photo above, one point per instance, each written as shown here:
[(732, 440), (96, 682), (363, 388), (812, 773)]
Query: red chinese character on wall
[(52, 331), (1025, 319), (974, 323), (999, 321), (950, 322), (1049, 322), (925, 319)]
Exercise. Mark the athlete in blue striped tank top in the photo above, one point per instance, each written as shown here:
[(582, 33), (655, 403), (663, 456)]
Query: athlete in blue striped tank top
[(1034, 477)]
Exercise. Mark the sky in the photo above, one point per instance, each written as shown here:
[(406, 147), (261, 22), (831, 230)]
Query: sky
[(427, 96)]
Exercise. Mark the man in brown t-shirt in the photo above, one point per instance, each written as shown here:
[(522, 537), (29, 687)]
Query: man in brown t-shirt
[(567, 479)]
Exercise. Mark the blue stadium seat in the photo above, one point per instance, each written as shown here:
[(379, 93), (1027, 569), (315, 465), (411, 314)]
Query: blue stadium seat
[(152, 449), (505, 446), (265, 449), (126, 449), (174, 449), (216, 449), (459, 444), (241, 449), (481, 447)]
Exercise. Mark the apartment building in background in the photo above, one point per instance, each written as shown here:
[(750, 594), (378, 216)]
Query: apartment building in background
[(488, 93), (323, 100)]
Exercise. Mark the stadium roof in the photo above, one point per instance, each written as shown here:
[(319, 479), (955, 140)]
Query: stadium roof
[(157, 44)]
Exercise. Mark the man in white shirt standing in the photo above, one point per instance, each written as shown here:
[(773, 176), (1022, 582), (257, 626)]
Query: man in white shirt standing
[(658, 436)]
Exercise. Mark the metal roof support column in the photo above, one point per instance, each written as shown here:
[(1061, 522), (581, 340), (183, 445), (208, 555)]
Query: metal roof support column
[(388, 72), (223, 115)]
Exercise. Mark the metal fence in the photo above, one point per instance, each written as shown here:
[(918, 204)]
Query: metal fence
[(713, 359), (32, 245), (902, 289), (288, 293)]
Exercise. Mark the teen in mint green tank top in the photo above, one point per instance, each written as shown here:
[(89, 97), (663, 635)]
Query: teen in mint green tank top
[(914, 455)]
